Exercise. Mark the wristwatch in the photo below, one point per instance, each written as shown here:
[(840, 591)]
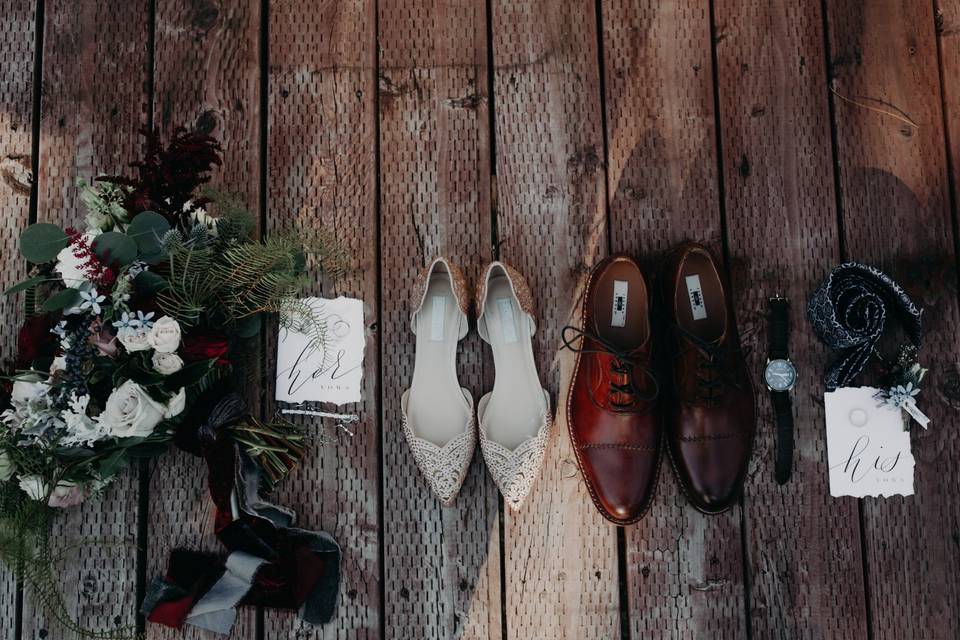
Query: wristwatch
[(781, 375)]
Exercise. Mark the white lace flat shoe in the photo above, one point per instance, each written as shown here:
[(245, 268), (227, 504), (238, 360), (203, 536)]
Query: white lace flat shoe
[(515, 417), (437, 413)]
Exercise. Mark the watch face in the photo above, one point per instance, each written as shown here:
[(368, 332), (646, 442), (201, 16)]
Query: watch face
[(780, 375)]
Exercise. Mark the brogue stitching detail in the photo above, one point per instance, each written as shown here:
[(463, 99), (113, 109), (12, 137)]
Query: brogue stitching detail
[(618, 445), (719, 436)]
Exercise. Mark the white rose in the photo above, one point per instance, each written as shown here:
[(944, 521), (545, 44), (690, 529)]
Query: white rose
[(25, 390), (130, 412), (134, 340), (165, 335), (67, 494), (59, 364), (166, 363), (176, 404), (70, 267), (7, 468), (34, 487)]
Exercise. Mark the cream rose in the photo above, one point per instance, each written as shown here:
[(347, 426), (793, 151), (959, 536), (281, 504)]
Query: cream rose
[(165, 335), (134, 340), (67, 494), (176, 404), (7, 468), (130, 412), (34, 487), (166, 363), (70, 267), (25, 390)]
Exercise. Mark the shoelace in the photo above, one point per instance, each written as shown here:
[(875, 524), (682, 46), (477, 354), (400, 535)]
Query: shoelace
[(710, 376), (622, 365)]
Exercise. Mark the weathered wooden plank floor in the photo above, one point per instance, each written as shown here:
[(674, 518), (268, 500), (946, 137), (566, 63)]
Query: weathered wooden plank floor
[(548, 133)]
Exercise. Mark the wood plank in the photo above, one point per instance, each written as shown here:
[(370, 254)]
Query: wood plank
[(561, 572), (94, 103), (948, 39), (206, 76), (684, 569), (322, 169), (896, 215), (17, 34), (441, 565), (804, 559)]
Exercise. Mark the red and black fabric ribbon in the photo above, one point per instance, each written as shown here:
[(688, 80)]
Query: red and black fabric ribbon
[(270, 562)]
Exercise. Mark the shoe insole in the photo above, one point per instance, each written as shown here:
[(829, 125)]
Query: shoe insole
[(620, 306), (514, 412), (699, 305), (436, 406)]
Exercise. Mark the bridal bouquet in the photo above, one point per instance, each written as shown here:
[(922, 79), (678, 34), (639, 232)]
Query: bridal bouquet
[(134, 320)]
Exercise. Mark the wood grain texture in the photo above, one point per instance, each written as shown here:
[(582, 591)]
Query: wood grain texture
[(322, 170), (17, 33), (551, 225), (684, 569), (896, 215), (804, 561), (94, 103), (948, 38), (441, 565), (206, 76)]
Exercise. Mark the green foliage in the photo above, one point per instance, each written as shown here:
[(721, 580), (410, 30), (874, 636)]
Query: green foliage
[(228, 283), (148, 229), (25, 548), (104, 203), (278, 448), (41, 242), (29, 283), (234, 222), (113, 246), (61, 300)]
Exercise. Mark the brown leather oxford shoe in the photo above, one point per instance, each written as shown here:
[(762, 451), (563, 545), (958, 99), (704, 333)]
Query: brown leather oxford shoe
[(613, 413), (711, 421)]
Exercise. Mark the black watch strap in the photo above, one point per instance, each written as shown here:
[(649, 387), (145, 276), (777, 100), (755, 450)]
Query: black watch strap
[(779, 349), (783, 416), (779, 337)]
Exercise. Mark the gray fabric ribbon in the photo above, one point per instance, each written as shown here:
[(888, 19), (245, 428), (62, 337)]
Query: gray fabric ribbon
[(849, 312)]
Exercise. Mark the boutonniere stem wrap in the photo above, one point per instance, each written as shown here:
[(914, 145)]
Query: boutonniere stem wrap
[(902, 394)]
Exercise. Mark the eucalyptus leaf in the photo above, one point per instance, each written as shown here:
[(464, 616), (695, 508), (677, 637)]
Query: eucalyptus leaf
[(26, 284), (147, 230), (42, 242), (62, 300), (149, 283), (112, 246), (114, 463)]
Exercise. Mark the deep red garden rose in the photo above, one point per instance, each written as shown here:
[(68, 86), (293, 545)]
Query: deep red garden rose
[(205, 346), (35, 340)]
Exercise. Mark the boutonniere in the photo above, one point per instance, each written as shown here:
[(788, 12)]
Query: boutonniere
[(906, 377)]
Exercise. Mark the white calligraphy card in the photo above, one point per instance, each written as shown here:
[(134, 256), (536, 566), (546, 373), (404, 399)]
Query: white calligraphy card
[(867, 447), (321, 359)]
